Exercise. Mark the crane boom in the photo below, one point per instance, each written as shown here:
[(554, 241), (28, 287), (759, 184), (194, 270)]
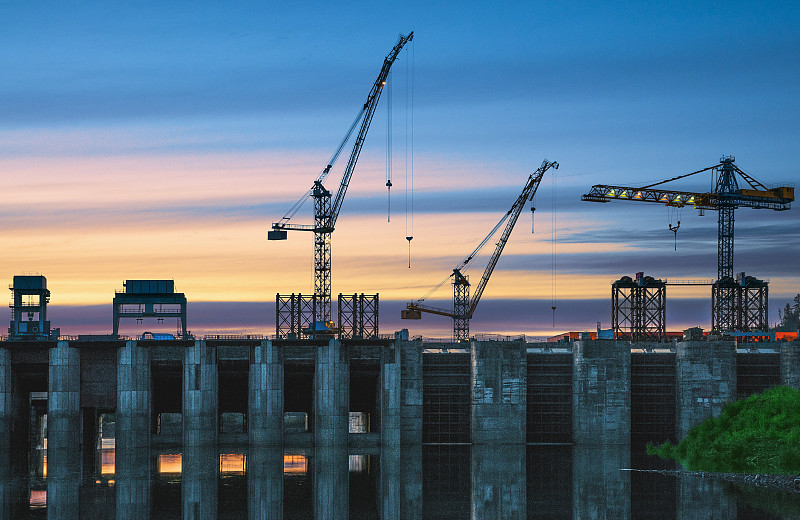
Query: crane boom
[(326, 212), (369, 111), (513, 214), (463, 307)]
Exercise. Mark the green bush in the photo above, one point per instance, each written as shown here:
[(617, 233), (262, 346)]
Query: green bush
[(758, 434)]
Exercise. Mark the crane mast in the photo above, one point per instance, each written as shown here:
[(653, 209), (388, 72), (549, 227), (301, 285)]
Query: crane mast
[(463, 306), (326, 212), (726, 198)]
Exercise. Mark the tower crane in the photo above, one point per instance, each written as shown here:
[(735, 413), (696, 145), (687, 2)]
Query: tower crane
[(326, 212), (463, 306), (726, 198)]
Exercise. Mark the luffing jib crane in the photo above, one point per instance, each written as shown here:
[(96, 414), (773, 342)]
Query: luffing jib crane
[(325, 211), (726, 197), (463, 306)]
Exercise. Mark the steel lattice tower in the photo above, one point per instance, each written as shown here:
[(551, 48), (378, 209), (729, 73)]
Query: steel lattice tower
[(322, 252), (461, 312)]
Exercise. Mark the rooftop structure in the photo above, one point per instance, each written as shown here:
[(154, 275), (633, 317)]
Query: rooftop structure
[(29, 309), (150, 299)]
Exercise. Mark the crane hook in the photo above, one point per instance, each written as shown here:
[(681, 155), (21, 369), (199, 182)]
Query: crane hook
[(674, 230)]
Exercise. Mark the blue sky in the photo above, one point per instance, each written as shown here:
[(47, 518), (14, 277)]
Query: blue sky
[(145, 140)]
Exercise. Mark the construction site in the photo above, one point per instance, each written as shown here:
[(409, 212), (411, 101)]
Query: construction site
[(329, 377)]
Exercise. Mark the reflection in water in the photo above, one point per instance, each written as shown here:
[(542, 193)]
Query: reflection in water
[(600, 489), (549, 482), (200, 482), (446, 482), (413, 483), (107, 462), (498, 482), (265, 475), (170, 463), (331, 482), (704, 498), (389, 485), (410, 482)]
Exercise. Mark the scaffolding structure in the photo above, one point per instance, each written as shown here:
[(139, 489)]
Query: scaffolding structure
[(358, 316), (296, 317), (740, 305), (638, 308)]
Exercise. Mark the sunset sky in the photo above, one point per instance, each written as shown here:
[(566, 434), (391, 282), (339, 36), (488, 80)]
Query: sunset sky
[(160, 140)]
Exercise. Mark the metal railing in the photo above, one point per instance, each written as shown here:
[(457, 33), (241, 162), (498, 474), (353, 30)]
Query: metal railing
[(236, 336)]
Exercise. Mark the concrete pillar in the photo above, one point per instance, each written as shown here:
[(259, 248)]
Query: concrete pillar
[(265, 398), (499, 392), (132, 434), (264, 483), (601, 392), (63, 431), (498, 482), (6, 410), (702, 498), (600, 490), (10, 484), (411, 482), (410, 391), (200, 481), (790, 364), (331, 482), (331, 395), (390, 381), (705, 381), (200, 395)]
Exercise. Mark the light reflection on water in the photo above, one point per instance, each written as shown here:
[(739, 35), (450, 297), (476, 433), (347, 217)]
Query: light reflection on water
[(428, 482)]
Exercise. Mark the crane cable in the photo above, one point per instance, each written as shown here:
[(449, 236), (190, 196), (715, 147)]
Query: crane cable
[(553, 252), (325, 171), (674, 213), (410, 231), (389, 146), (464, 263)]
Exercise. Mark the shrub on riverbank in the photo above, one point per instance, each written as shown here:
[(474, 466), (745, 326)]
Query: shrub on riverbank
[(758, 434)]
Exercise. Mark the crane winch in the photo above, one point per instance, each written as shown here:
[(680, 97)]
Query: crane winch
[(725, 198), (326, 212), (463, 306)]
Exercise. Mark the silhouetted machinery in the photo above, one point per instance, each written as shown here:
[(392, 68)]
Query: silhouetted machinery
[(463, 307), (326, 212), (30, 296), (738, 305)]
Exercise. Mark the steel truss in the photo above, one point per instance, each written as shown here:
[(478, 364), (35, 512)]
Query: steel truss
[(740, 305), (358, 316), (295, 315), (638, 308), (461, 307)]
